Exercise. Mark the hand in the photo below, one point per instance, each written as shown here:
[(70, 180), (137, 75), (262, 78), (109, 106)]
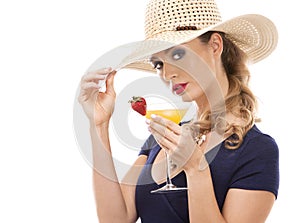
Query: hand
[(98, 106), (178, 142)]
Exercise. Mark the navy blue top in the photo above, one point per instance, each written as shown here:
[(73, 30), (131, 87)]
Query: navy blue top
[(253, 166)]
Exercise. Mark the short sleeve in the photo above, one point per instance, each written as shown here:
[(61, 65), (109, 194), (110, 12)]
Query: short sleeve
[(148, 145), (258, 166)]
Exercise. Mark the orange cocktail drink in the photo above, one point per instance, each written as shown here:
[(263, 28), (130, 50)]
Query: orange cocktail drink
[(172, 114)]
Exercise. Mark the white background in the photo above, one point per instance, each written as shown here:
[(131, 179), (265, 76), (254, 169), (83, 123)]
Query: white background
[(46, 46)]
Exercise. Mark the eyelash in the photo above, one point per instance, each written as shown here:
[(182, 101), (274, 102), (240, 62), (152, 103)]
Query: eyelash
[(157, 65), (176, 55)]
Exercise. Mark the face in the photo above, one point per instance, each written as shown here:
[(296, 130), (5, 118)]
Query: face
[(188, 69)]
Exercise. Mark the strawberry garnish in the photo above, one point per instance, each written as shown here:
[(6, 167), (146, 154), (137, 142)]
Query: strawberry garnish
[(138, 104)]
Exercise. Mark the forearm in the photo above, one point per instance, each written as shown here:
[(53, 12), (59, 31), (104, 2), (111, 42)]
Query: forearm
[(111, 206), (203, 207)]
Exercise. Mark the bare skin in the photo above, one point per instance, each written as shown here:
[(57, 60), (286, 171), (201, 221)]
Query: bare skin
[(240, 205)]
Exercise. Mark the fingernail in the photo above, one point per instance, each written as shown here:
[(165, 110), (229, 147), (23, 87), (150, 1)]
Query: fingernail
[(108, 69), (147, 121), (153, 116)]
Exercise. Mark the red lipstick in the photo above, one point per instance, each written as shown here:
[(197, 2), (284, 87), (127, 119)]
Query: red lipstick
[(179, 88)]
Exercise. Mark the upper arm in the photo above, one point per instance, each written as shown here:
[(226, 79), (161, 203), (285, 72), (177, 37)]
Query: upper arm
[(248, 205), (258, 167), (128, 183), (128, 186), (254, 186)]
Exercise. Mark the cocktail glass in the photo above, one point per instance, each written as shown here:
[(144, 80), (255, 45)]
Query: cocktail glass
[(174, 111)]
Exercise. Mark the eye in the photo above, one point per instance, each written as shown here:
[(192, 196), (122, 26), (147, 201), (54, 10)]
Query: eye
[(177, 54), (158, 65)]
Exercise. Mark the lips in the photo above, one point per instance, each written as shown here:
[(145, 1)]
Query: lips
[(179, 88)]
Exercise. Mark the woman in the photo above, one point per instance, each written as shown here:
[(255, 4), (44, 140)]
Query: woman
[(236, 181)]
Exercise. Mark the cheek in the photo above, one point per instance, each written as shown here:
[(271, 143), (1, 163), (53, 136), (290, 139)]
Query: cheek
[(197, 90), (208, 59), (194, 91)]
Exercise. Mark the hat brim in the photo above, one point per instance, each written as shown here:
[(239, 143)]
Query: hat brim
[(255, 34)]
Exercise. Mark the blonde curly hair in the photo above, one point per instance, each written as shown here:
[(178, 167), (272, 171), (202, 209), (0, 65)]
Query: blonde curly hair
[(239, 101)]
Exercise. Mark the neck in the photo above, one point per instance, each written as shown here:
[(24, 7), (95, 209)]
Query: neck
[(214, 97), (203, 106)]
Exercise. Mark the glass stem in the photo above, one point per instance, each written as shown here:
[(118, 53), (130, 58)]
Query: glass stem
[(169, 182)]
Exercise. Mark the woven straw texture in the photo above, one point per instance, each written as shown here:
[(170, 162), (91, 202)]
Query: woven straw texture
[(173, 22), (167, 15)]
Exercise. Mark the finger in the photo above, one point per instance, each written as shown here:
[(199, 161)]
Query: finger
[(89, 85), (110, 83), (162, 141), (175, 128), (93, 77), (87, 90), (102, 71), (96, 75), (82, 98), (163, 132)]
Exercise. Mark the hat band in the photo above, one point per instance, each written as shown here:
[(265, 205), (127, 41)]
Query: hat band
[(180, 28)]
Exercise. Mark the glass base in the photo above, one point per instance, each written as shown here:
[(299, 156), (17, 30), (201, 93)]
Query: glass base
[(168, 188)]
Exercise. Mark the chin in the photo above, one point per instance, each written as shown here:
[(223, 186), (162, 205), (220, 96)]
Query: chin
[(186, 98)]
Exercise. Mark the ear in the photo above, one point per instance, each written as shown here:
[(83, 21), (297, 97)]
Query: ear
[(216, 43)]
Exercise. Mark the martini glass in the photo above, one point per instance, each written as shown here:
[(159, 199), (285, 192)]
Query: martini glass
[(174, 111)]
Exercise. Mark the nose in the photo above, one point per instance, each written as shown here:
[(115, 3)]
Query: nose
[(168, 73)]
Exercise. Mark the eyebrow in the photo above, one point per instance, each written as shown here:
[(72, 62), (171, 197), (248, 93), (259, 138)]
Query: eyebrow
[(167, 50), (152, 59)]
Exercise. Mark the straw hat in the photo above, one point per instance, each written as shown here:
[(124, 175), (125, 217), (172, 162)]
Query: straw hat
[(173, 22)]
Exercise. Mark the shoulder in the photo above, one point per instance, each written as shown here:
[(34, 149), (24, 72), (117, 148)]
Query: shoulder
[(257, 166), (258, 143), (148, 145)]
